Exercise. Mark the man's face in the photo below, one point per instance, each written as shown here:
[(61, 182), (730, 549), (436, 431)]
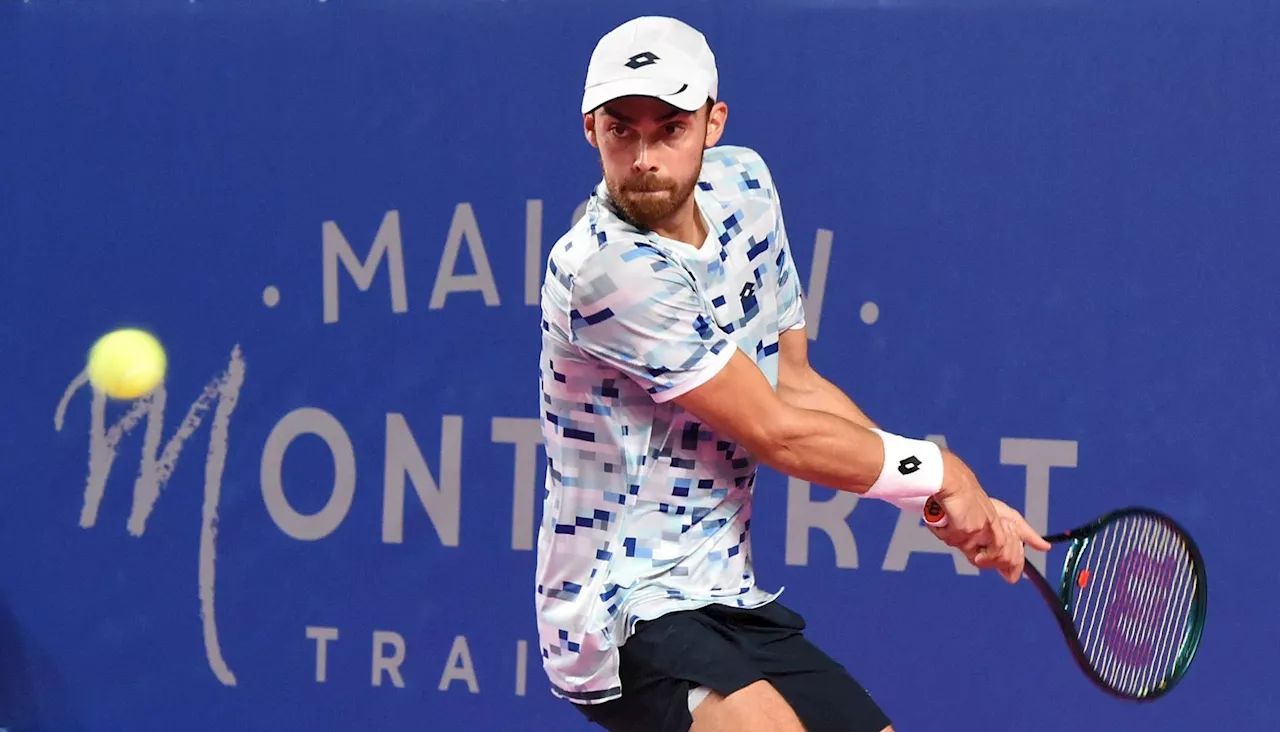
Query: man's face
[(651, 154)]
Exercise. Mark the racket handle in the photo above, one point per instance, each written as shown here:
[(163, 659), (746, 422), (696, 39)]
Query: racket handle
[(934, 514)]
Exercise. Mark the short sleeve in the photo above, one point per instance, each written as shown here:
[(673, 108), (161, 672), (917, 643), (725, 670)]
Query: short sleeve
[(634, 309), (790, 295)]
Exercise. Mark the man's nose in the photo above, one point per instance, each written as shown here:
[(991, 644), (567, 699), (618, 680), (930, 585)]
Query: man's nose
[(644, 160)]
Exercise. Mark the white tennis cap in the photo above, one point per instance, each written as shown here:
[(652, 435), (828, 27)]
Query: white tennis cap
[(652, 57)]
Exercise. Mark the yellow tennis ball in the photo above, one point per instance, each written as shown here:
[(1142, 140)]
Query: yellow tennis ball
[(126, 364)]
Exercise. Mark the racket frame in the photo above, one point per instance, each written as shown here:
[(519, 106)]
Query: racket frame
[(1062, 603)]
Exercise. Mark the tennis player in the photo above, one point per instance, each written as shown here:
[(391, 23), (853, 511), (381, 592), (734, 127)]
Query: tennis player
[(673, 364)]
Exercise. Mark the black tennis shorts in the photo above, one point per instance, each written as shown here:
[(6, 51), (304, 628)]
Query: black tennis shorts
[(726, 649)]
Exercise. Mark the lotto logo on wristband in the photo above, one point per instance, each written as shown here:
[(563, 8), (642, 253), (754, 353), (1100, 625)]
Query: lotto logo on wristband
[(912, 470)]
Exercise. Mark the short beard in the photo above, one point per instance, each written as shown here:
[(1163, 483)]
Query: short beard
[(647, 211)]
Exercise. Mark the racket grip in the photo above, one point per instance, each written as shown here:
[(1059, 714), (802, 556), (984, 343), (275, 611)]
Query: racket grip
[(934, 514)]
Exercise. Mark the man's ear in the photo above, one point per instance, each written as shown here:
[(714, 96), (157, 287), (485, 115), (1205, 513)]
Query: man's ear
[(716, 118), (589, 128)]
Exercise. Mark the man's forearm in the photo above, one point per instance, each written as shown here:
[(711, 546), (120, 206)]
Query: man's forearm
[(816, 393), (827, 449), (824, 448)]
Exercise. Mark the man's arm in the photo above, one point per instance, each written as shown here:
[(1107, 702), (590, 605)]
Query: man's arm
[(632, 309), (798, 384), (823, 448), (801, 386), (812, 430), (810, 444)]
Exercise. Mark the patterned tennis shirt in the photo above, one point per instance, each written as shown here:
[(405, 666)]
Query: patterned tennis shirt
[(646, 510)]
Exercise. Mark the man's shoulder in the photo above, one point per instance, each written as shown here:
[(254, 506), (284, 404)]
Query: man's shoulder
[(734, 170), (600, 242)]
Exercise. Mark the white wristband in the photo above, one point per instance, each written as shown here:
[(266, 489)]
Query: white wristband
[(912, 472)]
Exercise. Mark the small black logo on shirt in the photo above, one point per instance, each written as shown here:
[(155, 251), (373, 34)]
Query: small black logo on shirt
[(641, 60), (748, 290)]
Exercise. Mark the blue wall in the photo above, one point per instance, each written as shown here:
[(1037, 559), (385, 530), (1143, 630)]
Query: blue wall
[(1066, 217)]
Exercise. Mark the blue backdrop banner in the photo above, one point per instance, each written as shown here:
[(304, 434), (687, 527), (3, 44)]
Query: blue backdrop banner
[(1044, 233)]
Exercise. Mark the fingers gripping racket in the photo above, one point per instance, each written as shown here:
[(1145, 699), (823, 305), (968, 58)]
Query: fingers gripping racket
[(1132, 599)]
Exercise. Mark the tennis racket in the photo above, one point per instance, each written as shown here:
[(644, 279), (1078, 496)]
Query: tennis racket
[(1132, 599)]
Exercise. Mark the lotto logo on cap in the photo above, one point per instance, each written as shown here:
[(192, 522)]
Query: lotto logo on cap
[(652, 57)]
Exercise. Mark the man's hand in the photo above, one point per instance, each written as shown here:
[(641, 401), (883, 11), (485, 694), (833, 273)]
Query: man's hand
[(1021, 534), (997, 544), (973, 526)]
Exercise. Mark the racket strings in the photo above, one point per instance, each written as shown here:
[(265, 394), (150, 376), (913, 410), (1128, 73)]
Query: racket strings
[(1095, 575), (1120, 656), (1173, 626), (1146, 592), (1135, 587), (1136, 624)]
